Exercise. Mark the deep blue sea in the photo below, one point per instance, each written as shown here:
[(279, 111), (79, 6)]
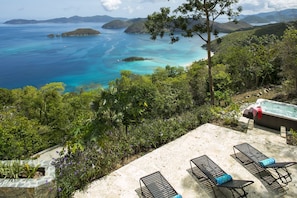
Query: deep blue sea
[(29, 57)]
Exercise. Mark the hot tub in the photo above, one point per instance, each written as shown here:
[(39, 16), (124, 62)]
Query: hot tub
[(273, 114)]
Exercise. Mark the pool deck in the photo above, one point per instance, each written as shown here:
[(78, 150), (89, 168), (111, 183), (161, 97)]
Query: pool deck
[(173, 161)]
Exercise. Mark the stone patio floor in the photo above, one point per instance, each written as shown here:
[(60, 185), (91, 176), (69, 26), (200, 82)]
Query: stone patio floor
[(173, 161)]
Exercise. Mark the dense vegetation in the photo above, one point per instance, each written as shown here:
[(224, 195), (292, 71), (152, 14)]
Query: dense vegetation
[(102, 128), (190, 19)]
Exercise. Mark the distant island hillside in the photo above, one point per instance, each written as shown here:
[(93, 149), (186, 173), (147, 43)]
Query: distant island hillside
[(222, 44), (77, 32), (136, 26), (271, 17), (132, 26), (231, 26), (73, 19), (117, 24)]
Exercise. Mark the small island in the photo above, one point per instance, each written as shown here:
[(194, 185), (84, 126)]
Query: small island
[(77, 32), (135, 58), (81, 32)]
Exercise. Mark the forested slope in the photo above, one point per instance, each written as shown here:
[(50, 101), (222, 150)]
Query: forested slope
[(102, 128), (238, 37)]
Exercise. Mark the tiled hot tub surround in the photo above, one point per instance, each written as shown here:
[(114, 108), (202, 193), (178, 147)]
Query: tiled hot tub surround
[(44, 186)]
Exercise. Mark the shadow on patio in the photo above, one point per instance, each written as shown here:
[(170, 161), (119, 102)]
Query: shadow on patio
[(173, 161)]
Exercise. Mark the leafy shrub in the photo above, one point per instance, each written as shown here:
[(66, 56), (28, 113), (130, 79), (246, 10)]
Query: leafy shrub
[(75, 170), (16, 169), (19, 136), (229, 115), (292, 137)]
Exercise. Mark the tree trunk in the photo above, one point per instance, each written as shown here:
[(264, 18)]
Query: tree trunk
[(296, 85), (209, 29)]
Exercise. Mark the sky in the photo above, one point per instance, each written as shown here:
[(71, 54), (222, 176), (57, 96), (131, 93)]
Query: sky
[(47, 9)]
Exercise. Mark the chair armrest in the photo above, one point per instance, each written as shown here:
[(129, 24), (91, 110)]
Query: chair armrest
[(281, 165), (237, 184)]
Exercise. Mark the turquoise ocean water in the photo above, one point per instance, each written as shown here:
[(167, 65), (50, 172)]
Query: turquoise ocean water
[(29, 57)]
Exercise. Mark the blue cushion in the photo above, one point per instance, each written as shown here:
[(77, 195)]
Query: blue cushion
[(267, 162), (223, 179), (177, 196)]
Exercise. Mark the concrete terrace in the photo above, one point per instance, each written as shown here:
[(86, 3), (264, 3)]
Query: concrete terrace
[(173, 161)]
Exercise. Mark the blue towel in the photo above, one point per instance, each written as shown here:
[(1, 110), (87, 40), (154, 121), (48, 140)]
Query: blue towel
[(223, 179), (267, 162), (177, 196)]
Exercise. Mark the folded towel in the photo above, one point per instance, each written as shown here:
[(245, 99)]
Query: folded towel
[(267, 162), (223, 179), (177, 196), (258, 112)]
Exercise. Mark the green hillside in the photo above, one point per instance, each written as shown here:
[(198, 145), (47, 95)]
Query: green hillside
[(235, 38)]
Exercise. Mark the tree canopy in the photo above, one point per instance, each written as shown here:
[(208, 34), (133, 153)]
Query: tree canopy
[(195, 17), (289, 59)]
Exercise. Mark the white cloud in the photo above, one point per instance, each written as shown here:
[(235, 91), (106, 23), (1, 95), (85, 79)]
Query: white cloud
[(111, 5), (133, 9), (153, 1), (256, 6), (279, 4), (33, 9), (129, 9)]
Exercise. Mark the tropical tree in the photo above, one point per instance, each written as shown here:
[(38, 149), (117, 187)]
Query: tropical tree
[(238, 60), (135, 98), (197, 75), (107, 118), (222, 81), (262, 54), (252, 62), (289, 59), (50, 104), (5, 97), (196, 17), (19, 136), (29, 102)]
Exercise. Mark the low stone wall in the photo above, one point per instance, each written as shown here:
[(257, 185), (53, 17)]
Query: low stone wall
[(43, 187)]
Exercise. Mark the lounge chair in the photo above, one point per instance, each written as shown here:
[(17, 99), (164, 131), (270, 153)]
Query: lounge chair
[(157, 186), (262, 163), (219, 178)]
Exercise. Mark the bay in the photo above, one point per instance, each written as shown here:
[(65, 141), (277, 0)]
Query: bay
[(29, 57)]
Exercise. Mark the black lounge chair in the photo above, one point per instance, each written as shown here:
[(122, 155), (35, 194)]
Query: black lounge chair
[(262, 163), (157, 186), (212, 172)]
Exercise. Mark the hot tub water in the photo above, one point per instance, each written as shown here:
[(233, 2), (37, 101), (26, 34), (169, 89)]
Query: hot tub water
[(278, 108)]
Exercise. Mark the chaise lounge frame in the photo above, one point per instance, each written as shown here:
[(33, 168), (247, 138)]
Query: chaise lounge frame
[(211, 170), (278, 170), (157, 186)]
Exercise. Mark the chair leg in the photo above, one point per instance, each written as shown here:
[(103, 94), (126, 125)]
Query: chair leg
[(214, 192), (243, 162), (285, 178), (241, 194), (236, 156)]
